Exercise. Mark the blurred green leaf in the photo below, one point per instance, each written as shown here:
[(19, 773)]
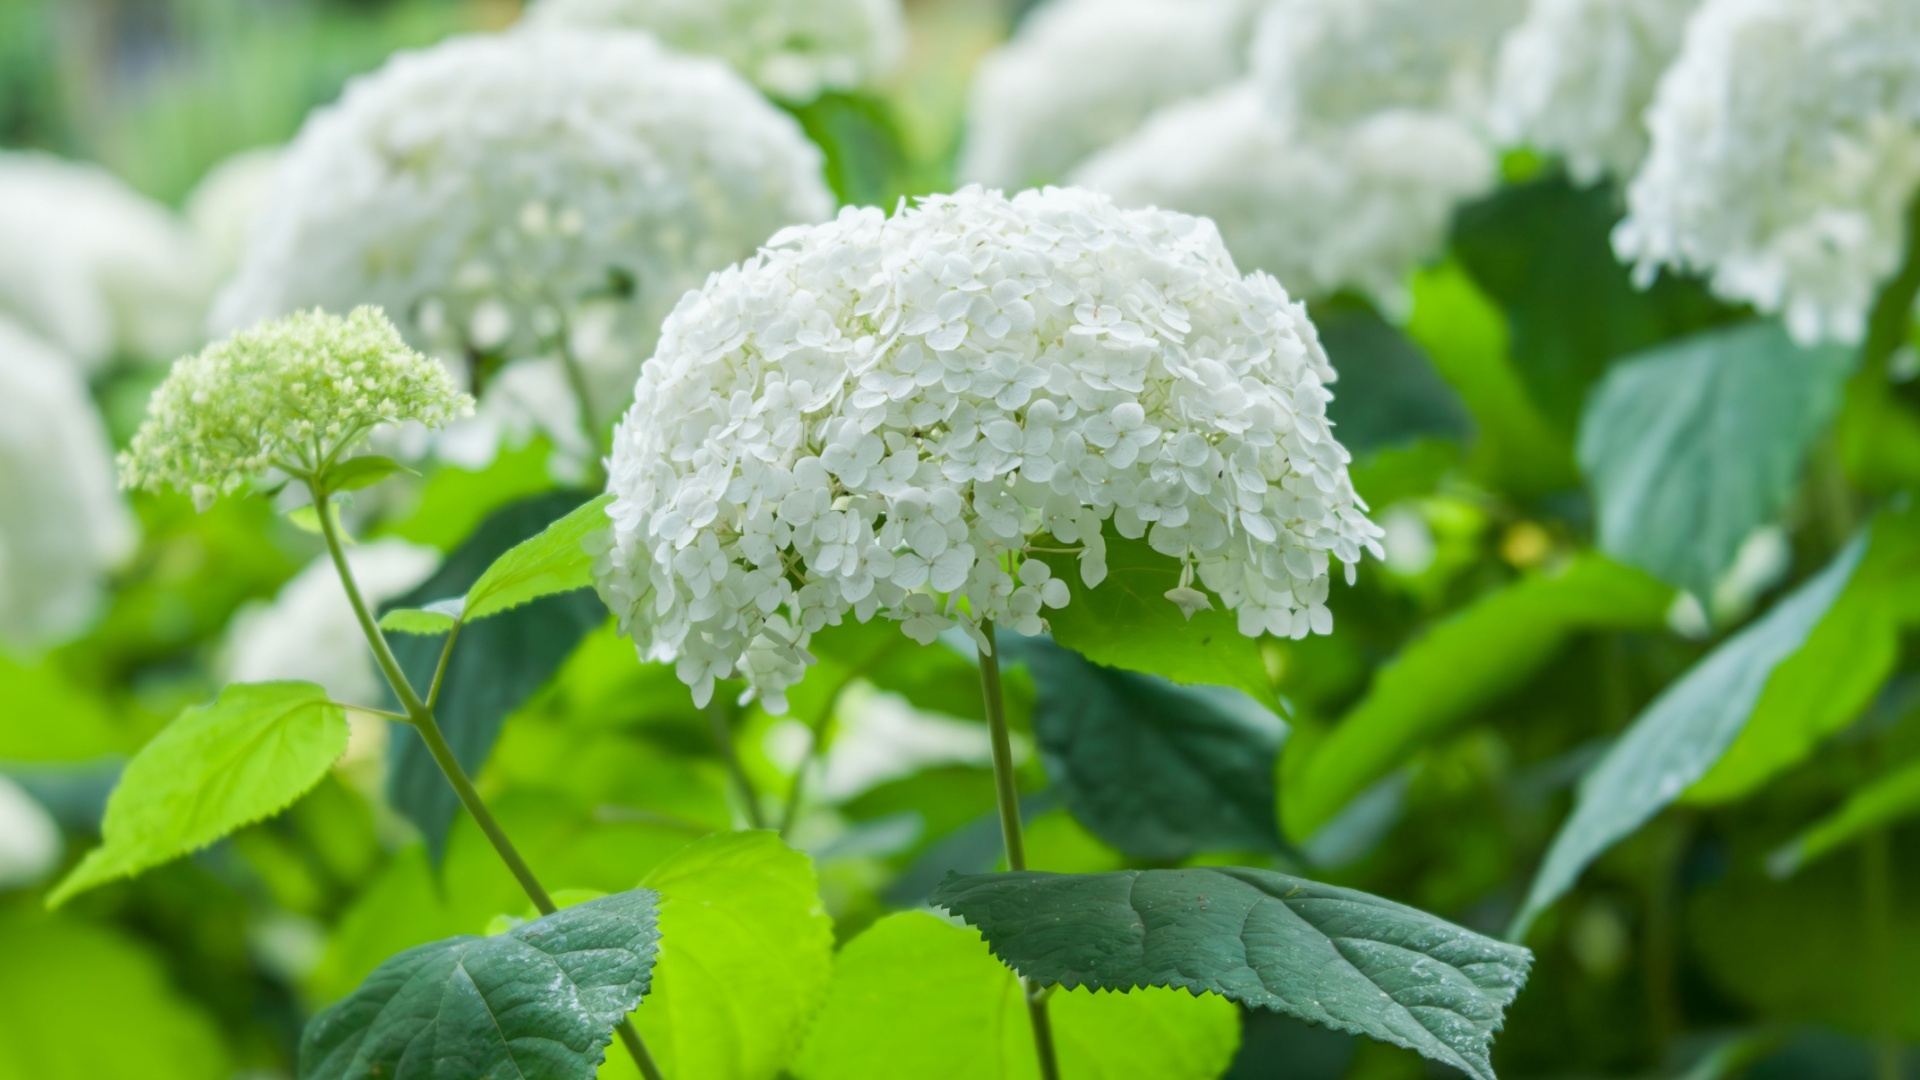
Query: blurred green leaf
[(1128, 622), (1693, 445), (555, 561), (454, 501), (539, 1001), (913, 996), (58, 976), (53, 719), (1157, 770), (1882, 801), (1389, 393), (747, 954), (253, 751), (1331, 956), (866, 164), (363, 472), (1677, 739), (1482, 652)]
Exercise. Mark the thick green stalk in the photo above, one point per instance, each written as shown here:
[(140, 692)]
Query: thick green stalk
[(420, 715), (1007, 794)]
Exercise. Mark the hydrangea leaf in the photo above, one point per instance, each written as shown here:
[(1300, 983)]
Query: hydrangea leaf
[(1693, 445), (555, 561), (247, 755), (539, 1001), (1329, 956), (1488, 649), (1389, 393), (1673, 743), (363, 472), (497, 666), (916, 996), (1157, 770), (436, 618), (748, 954), (1127, 622), (1884, 800)]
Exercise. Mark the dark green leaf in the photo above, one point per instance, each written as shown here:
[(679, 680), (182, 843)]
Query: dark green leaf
[(1486, 650), (555, 561), (251, 752), (1693, 445), (496, 666), (1331, 956), (1389, 393), (362, 472), (1679, 737), (539, 1002), (866, 164), (1158, 771), (1881, 802)]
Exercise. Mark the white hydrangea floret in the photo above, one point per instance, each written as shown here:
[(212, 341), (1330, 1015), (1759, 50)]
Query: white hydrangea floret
[(1785, 151), (63, 524), (792, 49), (879, 416), (1331, 62), (309, 630), (94, 268), (1576, 76), (1320, 210), (502, 197), (1080, 74)]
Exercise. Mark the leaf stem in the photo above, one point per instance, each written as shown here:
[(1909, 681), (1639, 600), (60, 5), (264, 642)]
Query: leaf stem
[(1007, 794), (1876, 866), (723, 742), (420, 714)]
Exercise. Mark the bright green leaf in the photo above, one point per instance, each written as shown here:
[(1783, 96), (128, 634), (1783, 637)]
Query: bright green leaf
[(307, 519), (1883, 801), (363, 472), (917, 997), (747, 954), (1127, 622), (555, 561), (538, 1002), (1679, 737), (1157, 770), (1488, 649), (1693, 445), (1330, 956), (249, 754), (82, 1002), (436, 618), (53, 718)]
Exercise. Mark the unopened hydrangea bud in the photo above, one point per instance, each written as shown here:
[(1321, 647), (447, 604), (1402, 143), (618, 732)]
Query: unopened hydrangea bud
[(878, 417), (295, 394)]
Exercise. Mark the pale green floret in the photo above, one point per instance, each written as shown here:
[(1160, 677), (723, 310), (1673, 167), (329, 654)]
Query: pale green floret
[(296, 394)]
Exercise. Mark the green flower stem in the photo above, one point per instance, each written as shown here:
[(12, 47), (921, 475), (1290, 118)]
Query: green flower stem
[(420, 715), (1007, 794), (742, 783)]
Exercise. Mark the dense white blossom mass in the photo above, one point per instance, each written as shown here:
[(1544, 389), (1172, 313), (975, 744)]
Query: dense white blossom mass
[(94, 268), (222, 207), (63, 524), (1785, 152), (1320, 210), (1080, 74), (500, 196), (792, 49), (1575, 78), (309, 631), (1332, 62), (878, 416)]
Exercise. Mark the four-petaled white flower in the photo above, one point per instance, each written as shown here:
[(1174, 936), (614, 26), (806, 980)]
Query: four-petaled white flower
[(768, 486)]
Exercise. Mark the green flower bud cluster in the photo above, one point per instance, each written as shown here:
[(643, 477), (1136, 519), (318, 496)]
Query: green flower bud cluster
[(296, 394)]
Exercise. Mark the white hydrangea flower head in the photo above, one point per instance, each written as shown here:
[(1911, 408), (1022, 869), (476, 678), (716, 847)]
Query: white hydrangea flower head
[(309, 631), (1576, 76), (222, 207), (94, 268), (1080, 74), (792, 49), (501, 195), (63, 523), (878, 416), (1785, 152), (296, 394), (1332, 62), (1321, 211)]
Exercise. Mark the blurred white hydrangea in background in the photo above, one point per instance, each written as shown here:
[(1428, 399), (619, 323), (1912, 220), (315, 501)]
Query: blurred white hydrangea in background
[(504, 196), (795, 50), (1575, 79), (63, 523), (1080, 74), (1785, 151), (93, 267), (309, 631), (876, 416), (30, 843), (221, 209), (1334, 62), (1320, 211)]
